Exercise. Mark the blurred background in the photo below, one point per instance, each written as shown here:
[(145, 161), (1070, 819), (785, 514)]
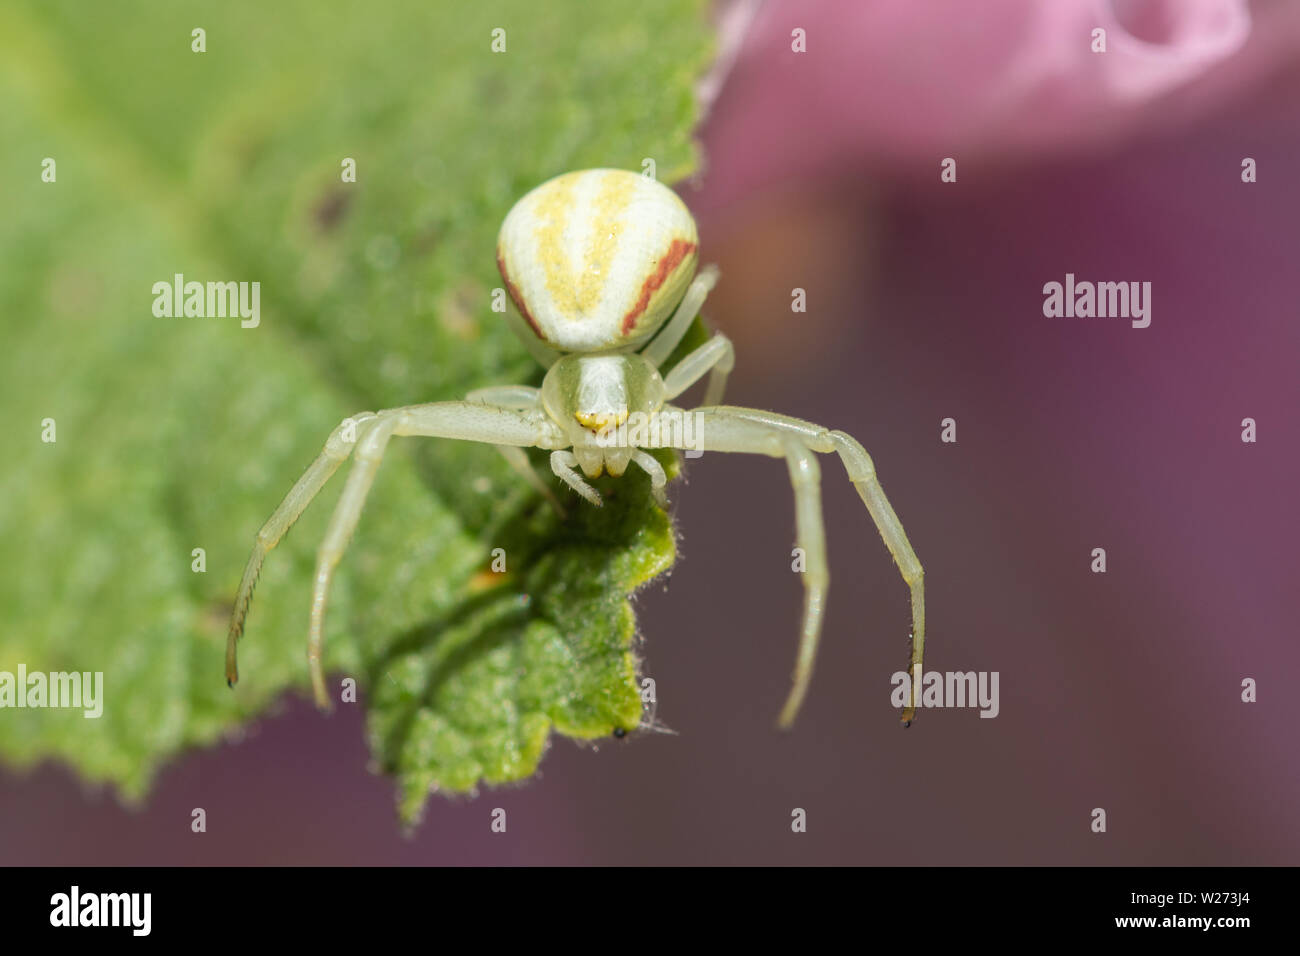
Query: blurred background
[(1121, 690)]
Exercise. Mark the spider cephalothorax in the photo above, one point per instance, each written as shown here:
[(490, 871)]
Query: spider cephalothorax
[(601, 266)]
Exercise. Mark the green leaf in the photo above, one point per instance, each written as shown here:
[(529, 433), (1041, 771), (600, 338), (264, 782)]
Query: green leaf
[(175, 434)]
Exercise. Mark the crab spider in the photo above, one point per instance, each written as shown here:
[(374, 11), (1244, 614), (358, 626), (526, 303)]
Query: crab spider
[(601, 266)]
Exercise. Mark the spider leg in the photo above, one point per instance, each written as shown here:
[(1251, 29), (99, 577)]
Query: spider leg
[(727, 428), (518, 396), (564, 464), (469, 421), (658, 477), (862, 472), (810, 533), (507, 396), (369, 454), (863, 475), (518, 459), (716, 357), (337, 448), (662, 345)]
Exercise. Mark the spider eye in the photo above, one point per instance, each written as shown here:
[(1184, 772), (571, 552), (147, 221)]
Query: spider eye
[(620, 733)]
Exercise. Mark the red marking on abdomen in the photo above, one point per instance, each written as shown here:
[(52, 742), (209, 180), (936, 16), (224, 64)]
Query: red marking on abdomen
[(677, 251), (518, 299)]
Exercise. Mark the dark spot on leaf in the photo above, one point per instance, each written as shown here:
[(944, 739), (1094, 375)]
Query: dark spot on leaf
[(619, 733), (331, 208)]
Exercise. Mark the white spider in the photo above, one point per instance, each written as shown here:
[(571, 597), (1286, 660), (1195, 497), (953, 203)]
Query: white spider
[(596, 261)]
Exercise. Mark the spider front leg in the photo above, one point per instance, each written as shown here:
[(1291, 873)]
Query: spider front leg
[(810, 535), (369, 454), (716, 358), (663, 344), (518, 396), (727, 428), (469, 421), (862, 472), (337, 448)]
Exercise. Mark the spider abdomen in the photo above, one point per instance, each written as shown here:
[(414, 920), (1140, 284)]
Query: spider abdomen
[(597, 259)]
